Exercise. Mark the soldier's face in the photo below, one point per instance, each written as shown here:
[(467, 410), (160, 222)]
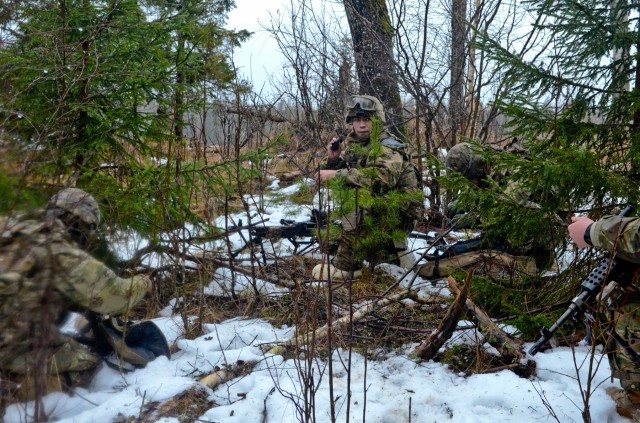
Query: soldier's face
[(82, 233), (362, 126)]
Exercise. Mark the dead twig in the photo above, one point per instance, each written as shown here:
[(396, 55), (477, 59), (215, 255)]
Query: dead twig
[(358, 315)]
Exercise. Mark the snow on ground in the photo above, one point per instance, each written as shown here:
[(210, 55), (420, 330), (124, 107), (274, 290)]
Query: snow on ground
[(392, 388), (394, 385)]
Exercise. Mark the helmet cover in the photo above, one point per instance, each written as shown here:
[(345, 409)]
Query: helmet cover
[(77, 202)]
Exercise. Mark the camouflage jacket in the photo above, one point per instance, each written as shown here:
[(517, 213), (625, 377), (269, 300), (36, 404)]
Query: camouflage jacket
[(389, 170), (621, 233), (43, 275)]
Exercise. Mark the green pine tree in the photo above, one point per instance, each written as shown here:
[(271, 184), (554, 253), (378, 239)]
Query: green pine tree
[(573, 101), (383, 210), (81, 82)]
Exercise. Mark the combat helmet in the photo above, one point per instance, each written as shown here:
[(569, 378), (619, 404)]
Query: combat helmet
[(462, 159), (76, 202), (363, 106)]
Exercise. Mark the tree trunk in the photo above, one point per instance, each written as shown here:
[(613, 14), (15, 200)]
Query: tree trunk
[(372, 37), (458, 46)]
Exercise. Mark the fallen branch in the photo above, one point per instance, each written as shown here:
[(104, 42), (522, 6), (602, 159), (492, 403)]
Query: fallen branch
[(507, 346), (428, 349), (283, 281), (220, 376), (525, 370)]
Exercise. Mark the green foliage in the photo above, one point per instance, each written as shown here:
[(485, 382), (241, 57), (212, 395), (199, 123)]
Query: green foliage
[(304, 195), (514, 298), (461, 358), (81, 83), (14, 195), (571, 105)]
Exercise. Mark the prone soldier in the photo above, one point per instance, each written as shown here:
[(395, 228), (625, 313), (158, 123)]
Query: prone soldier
[(45, 272)]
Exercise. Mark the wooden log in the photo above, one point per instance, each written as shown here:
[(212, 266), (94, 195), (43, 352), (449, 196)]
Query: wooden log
[(428, 349), (224, 375), (508, 347)]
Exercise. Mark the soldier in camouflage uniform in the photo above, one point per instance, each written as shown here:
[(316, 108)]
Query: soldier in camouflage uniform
[(495, 253), (44, 274), (390, 170), (621, 237)]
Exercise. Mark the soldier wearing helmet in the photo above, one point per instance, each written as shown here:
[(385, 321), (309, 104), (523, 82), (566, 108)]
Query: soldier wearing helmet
[(79, 212), (463, 160), (527, 255), (45, 272), (389, 171), (363, 106)]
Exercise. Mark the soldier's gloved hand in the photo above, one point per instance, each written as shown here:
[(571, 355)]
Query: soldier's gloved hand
[(334, 148)]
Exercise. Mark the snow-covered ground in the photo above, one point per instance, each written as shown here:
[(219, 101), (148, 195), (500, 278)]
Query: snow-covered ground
[(393, 388)]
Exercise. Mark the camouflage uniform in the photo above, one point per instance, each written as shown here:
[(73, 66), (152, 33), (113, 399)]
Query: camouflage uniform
[(394, 171), (525, 258), (43, 275), (621, 235)]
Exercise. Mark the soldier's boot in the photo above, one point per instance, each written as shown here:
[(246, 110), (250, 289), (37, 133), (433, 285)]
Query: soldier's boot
[(324, 271), (406, 258), (627, 404)]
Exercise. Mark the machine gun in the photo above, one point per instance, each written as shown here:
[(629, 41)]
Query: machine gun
[(590, 289), (298, 233)]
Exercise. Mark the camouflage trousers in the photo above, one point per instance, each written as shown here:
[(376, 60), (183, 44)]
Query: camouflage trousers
[(627, 325), (348, 258), (63, 367)]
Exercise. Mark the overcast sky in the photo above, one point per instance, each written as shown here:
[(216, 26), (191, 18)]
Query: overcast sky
[(259, 56)]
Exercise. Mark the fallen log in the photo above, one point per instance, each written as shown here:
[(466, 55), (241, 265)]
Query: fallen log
[(428, 349), (508, 347), (229, 372)]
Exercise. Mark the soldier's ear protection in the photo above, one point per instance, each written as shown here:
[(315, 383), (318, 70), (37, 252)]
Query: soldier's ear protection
[(75, 223), (79, 230)]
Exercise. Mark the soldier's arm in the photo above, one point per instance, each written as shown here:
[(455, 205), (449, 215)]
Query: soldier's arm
[(621, 233), (383, 173), (88, 283), (333, 164)]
